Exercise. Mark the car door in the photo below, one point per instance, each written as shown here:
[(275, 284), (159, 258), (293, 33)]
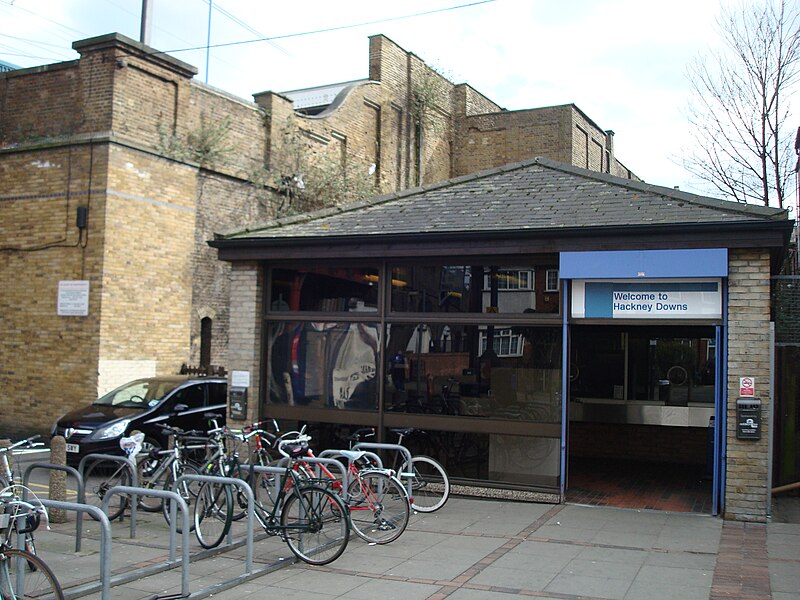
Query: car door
[(194, 398), (217, 394)]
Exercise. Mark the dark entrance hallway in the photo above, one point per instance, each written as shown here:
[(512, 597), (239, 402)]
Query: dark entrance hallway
[(642, 485)]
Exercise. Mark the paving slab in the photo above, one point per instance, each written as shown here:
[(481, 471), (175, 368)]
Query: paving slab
[(472, 549)]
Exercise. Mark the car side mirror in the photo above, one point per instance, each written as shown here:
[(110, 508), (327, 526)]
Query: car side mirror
[(179, 408)]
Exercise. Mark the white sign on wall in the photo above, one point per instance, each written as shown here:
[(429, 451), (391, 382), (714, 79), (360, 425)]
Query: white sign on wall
[(240, 379), (73, 299), (651, 299)]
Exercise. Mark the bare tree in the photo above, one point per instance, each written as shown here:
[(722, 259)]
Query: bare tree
[(740, 103)]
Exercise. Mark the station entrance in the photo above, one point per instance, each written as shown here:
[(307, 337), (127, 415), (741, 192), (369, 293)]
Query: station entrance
[(641, 416)]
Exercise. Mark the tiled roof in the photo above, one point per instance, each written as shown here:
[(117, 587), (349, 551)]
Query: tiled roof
[(536, 195)]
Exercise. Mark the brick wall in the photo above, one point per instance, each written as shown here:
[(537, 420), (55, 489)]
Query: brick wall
[(44, 357), (247, 291), (112, 130), (746, 493)]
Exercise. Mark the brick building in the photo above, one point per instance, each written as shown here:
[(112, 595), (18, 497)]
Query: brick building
[(637, 368), (115, 169)]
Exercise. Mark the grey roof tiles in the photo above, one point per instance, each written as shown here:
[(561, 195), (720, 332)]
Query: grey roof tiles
[(539, 194)]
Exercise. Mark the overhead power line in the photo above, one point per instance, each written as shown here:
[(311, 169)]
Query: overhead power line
[(329, 29)]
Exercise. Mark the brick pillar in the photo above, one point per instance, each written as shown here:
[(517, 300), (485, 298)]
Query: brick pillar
[(746, 492), (244, 341)]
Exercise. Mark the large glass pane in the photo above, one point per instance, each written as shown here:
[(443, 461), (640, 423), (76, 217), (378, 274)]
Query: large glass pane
[(505, 289), (475, 370), (331, 365), (325, 289), (668, 367), (489, 457)]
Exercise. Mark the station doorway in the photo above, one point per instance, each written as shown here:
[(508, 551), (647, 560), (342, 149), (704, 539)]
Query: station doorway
[(641, 416)]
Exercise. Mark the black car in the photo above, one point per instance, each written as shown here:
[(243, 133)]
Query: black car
[(142, 405)]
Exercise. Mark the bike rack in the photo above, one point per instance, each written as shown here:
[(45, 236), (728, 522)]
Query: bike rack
[(395, 448), (328, 460), (105, 539), (134, 479), (248, 492), (81, 493), (135, 492)]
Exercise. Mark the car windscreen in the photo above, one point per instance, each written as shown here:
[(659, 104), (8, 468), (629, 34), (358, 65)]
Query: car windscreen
[(142, 393)]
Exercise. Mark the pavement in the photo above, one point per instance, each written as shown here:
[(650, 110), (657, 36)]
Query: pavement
[(470, 549)]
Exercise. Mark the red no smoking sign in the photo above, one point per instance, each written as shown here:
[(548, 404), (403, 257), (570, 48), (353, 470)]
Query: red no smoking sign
[(747, 386)]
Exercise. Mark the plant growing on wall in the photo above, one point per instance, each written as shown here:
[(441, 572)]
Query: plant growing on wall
[(205, 145), (427, 90), (304, 176)]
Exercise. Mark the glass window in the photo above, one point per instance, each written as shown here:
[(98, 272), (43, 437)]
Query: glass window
[(324, 289), (667, 367), (551, 277), (328, 365), (507, 279), (193, 397), (140, 393), (506, 342), (217, 393), (446, 369), (504, 289)]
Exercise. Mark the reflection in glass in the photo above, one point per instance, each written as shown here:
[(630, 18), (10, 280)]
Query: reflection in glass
[(325, 289), (331, 365), (446, 369), (501, 289)]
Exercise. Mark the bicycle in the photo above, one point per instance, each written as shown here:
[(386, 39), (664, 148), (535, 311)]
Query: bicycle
[(312, 520), (377, 501), (430, 486), (218, 499), (160, 469), (23, 574), (10, 488), (228, 459), (101, 475)]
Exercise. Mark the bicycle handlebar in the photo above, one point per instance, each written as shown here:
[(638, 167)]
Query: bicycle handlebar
[(26, 442)]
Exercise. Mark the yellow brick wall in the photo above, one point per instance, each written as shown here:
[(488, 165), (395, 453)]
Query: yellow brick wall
[(102, 132), (46, 361), (746, 492)]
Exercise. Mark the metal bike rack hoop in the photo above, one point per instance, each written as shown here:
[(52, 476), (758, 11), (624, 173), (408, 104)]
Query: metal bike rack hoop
[(81, 492), (105, 537), (406, 454), (248, 492), (134, 492)]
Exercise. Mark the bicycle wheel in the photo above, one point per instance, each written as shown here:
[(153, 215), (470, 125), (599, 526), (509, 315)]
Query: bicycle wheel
[(379, 507), (213, 511), (430, 486), (38, 582), (99, 478), (316, 525), (187, 490), (239, 497)]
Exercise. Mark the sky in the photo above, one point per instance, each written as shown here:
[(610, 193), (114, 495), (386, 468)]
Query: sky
[(622, 62)]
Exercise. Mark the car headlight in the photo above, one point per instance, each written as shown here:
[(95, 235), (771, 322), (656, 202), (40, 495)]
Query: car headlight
[(111, 431)]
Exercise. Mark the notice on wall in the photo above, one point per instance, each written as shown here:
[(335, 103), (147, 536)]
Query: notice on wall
[(747, 386), (73, 299), (653, 299), (240, 379)]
